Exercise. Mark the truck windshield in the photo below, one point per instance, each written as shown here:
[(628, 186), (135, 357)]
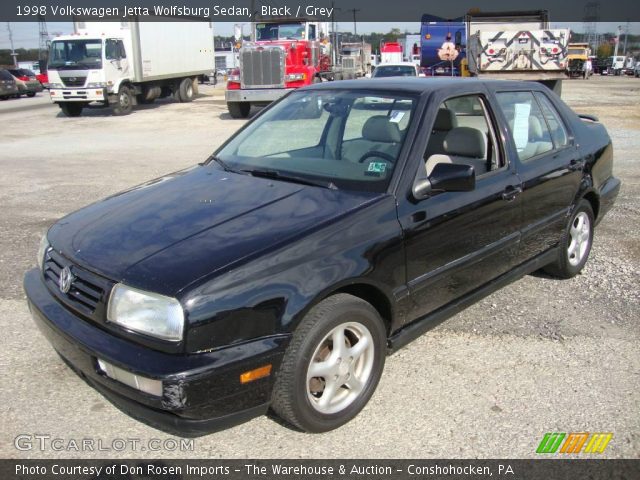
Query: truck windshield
[(76, 54), (339, 139), (280, 31)]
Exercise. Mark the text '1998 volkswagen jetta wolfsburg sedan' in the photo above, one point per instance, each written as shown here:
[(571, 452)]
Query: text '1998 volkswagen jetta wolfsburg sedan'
[(338, 225)]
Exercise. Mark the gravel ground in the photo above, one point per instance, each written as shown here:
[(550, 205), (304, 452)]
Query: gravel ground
[(539, 355)]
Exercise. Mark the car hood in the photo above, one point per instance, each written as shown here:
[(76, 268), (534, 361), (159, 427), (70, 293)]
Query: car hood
[(171, 231)]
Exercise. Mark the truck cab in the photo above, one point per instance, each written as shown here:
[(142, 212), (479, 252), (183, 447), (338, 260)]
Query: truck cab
[(86, 68), (283, 54)]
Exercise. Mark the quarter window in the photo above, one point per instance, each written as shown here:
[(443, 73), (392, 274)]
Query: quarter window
[(527, 124), (558, 132)]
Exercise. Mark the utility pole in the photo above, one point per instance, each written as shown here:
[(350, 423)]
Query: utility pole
[(355, 30), (14, 55), (615, 52), (626, 35), (43, 46)]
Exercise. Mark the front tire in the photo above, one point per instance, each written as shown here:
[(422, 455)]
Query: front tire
[(332, 366), (71, 109), (124, 104), (575, 244), (239, 109)]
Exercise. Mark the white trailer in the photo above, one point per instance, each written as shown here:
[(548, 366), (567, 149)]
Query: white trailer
[(124, 63)]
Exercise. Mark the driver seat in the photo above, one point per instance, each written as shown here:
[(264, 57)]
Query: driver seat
[(379, 134)]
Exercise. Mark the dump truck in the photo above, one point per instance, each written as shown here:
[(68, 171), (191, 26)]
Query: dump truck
[(121, 64), (577, 55)]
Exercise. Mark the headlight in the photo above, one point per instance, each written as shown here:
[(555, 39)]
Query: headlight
[(146, 312), (42, 250), (97, 85), (55, 85)]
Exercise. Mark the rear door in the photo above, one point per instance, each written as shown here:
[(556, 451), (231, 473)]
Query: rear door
[(458, 241), (548, 165)]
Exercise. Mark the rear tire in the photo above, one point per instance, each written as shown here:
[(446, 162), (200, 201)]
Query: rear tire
[(239, 109), (575, 244), (71, 109), (185, 91), (31, 94), (124, 104), (327, 375)]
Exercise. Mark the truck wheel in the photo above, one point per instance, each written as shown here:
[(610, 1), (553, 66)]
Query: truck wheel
[(185, 92), (71, 109), (239, 109), (124, 104), (332, 365)]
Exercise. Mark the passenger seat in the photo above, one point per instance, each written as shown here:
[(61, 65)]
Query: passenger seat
[(462, 145), (445, 121)]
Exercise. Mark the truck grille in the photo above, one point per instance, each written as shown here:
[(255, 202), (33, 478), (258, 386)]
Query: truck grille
[(348, 63), (73, 81), (262, 67), (88, 293)]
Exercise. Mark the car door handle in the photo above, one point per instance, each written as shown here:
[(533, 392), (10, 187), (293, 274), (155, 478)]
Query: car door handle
[(575, 165), (510, 193)]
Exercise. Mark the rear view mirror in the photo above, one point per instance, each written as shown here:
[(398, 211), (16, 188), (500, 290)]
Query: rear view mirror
[(446, 177), (308, 108)]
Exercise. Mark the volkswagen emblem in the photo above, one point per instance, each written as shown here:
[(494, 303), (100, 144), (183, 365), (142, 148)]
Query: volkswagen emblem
[(66, 279)]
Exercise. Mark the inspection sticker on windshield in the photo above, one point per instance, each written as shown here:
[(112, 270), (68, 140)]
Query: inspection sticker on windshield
[(396, 116), (377, 167)]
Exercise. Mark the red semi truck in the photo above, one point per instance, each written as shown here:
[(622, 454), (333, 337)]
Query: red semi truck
[(283, 54)]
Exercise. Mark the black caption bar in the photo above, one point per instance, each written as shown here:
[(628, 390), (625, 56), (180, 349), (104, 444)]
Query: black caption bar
[(331, 10), (314, 469)]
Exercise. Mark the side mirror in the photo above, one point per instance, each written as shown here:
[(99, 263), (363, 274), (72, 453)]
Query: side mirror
[(446, 177)]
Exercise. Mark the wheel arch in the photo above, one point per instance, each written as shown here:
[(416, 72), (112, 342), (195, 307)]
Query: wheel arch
[(592, 197)]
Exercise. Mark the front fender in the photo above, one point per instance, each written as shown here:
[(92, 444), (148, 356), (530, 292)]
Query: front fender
[(271, 294)]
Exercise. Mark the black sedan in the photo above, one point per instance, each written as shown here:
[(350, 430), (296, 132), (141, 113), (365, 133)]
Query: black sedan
[(335, 227)]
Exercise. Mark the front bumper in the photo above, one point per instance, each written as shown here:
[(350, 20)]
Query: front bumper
[(78, 95), (256, 95), (202, 392)]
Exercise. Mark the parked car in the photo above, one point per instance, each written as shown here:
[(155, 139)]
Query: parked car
[(8, 87), (26, 81), (401, 69), (636, 70), (281, 271)]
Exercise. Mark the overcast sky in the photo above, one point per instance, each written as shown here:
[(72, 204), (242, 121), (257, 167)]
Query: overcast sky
[(25, 34)]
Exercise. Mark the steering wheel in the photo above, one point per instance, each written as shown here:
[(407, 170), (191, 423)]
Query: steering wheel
[(386, 156)]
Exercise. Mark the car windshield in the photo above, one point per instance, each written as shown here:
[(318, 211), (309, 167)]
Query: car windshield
[(342, 139), (394, 71), (76, 54), (282, 31)]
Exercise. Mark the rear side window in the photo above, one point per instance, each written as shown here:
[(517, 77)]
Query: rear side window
[(556, 127), (527, 124)]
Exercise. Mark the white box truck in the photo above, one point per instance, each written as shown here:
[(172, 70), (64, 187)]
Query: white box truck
[(120, 64)]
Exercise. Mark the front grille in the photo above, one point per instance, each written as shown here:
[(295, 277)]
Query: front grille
[(73, 81), (262, 67), (348, 63), (88, 292)]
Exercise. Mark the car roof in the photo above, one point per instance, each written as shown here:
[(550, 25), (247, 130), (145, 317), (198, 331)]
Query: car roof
[(422, 84)]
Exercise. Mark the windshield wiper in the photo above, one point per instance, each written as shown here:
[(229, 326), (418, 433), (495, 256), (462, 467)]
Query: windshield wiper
[(276, 175), (222, 163)]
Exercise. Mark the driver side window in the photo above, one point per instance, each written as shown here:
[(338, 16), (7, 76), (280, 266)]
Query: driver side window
[(463, 133)]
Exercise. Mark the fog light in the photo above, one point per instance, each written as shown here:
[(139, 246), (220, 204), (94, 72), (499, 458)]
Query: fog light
[(154, 387), (99, 93)]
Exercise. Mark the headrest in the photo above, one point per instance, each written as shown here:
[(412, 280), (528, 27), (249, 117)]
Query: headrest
[(464, 142), (445, 120), (379, 128), (535, 128)]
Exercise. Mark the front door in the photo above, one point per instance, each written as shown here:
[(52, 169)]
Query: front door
[(457, 241)]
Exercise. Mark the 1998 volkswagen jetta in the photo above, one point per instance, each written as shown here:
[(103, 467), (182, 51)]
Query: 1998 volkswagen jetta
[(338, 225)]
